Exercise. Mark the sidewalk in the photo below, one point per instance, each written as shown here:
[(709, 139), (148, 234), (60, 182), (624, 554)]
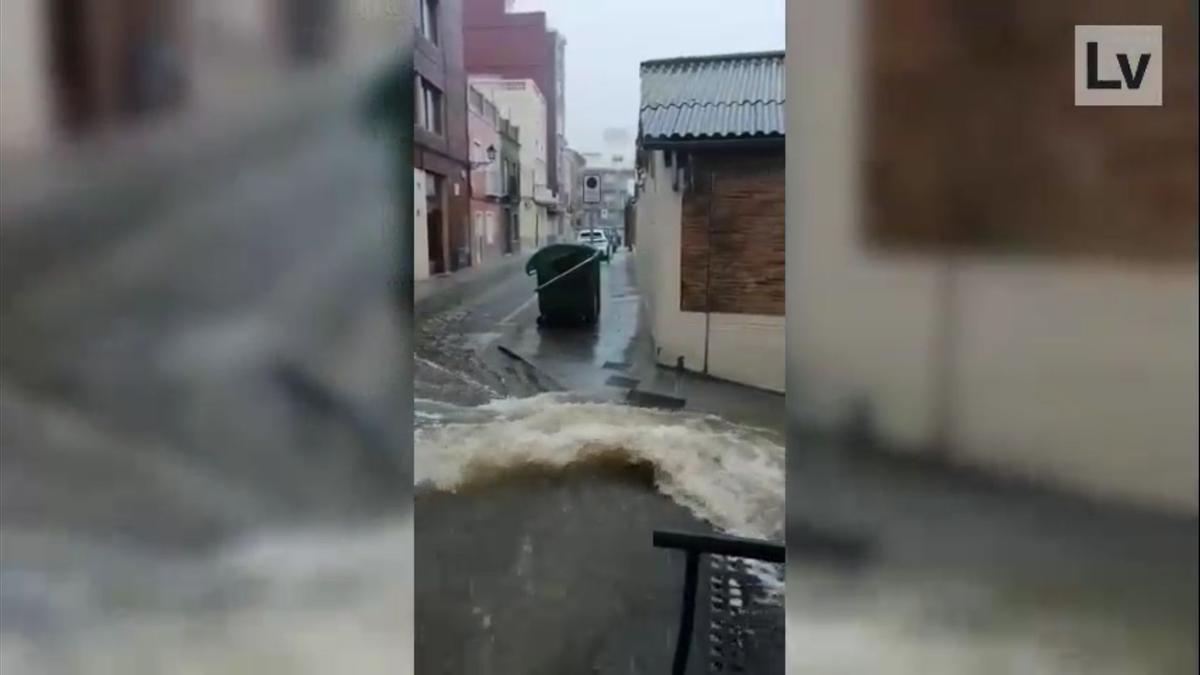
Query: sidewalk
[(439, 293)]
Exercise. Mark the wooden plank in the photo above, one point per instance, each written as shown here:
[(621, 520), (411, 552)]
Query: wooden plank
[(732, 240)]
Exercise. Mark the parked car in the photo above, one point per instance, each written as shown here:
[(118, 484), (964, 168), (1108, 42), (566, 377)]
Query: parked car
[(596, 239)]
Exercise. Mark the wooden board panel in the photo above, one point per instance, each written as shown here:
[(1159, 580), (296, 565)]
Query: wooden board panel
[(732, 244), (974, 142)]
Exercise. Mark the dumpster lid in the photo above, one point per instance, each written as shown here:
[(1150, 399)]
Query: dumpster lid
[(546, 254)]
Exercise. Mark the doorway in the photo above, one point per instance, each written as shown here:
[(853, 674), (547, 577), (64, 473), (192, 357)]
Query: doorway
[(435, 212)]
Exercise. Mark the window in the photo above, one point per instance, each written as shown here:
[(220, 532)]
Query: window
[(429, 20), (430, 109)]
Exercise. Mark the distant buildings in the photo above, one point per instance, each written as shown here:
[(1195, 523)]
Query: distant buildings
[(510, 175), (487, 186), (489, 134), (573, 190), (522, 103), (501, 43), (604, 208)]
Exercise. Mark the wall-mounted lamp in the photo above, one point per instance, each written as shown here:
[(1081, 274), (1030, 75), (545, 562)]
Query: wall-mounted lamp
[(491, 157)]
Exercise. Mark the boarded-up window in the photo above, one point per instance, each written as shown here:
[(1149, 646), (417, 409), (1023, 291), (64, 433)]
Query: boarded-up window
[(732, 239), (974, 140)]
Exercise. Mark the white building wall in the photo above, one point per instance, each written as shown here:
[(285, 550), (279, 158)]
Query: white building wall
[(743, 348), (523, 104), (420, 228), (1083, 375), (26, 111)]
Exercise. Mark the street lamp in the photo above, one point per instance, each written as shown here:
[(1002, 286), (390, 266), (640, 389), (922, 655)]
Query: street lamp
[(491, 157)]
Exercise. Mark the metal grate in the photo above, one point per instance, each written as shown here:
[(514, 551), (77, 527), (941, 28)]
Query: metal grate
[(736, 625), (621, 381), (742, 629), (646, 399)]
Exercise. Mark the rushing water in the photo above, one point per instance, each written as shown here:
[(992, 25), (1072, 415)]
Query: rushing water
[(726, 474), (339, 598)]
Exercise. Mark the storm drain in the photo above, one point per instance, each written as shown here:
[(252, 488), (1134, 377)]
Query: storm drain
[(647, 399), (622, 381), (740, 630), (616, 365)]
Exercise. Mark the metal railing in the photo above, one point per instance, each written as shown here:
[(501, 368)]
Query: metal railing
[(694, 545), (807, 541)]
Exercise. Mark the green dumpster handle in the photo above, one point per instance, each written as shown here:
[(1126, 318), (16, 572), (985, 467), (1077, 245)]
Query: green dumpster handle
[(594, 256)]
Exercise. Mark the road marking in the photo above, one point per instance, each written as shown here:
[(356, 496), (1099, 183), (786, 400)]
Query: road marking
[(513, 314)]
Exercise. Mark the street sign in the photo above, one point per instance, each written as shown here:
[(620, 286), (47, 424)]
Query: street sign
[(591, 189)]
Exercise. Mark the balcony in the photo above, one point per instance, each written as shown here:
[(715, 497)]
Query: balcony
[(493, 183), (544, 196)]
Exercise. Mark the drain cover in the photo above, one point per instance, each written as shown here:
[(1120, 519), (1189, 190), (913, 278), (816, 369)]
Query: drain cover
[(647, 399), (621, 381)]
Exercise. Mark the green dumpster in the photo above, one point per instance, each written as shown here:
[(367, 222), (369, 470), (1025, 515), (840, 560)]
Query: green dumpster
[(568, 283)]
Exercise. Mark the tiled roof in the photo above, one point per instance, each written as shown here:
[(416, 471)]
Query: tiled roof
[(713, 97)]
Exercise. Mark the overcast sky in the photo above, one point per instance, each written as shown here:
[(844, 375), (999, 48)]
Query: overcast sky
[(607, 39)]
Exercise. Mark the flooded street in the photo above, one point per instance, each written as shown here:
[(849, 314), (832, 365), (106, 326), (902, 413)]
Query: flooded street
[(535, 509)]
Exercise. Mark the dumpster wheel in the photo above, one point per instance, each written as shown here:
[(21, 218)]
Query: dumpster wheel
[(593, 313)]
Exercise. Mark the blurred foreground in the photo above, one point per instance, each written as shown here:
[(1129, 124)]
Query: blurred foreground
[(189, 272), (992, 330)]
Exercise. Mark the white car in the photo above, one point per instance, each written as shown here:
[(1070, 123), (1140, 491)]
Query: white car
[(594, 238)]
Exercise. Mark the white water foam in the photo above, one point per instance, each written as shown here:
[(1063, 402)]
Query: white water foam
[(726, 474)]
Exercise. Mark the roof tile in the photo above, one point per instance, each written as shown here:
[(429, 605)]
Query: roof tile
[(714, 97)]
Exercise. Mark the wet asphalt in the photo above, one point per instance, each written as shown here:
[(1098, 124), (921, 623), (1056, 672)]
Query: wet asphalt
[(545, 572)]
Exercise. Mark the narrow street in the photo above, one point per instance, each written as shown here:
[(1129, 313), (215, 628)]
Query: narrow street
[(535, 510)]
